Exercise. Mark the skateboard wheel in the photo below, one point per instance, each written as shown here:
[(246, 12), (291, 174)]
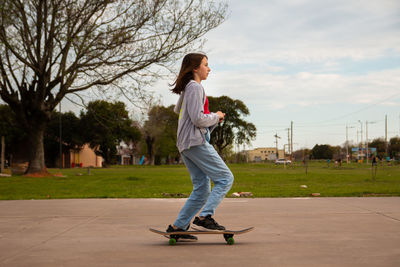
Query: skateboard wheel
[(230, 241), (226, 236), (172, 241)]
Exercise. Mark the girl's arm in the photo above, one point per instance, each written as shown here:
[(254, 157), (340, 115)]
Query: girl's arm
[(195, 107)]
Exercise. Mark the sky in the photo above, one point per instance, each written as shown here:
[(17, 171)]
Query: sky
[(323, 64)]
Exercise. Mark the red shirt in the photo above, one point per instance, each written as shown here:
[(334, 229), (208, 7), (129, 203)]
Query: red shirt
[(206, 110)]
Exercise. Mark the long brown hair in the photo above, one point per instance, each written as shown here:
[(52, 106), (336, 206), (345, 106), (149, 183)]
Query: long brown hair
[(189, 63)]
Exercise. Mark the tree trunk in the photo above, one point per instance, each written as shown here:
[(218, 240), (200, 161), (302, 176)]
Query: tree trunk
[(107, 158), (149, 142), (36, 149)]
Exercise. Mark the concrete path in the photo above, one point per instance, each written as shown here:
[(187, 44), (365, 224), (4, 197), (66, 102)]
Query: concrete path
[(113, 232)]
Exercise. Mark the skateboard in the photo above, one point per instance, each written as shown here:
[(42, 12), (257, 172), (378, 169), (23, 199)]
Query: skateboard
[(228, 234)]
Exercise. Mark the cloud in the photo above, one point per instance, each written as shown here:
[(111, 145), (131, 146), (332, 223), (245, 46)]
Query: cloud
[(306, 31), (307, 60), (304, 88)]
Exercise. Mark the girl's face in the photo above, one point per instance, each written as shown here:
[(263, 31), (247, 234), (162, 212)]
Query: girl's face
[(201, 73)]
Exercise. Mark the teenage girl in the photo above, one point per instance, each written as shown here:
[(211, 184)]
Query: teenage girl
[(203, 162)]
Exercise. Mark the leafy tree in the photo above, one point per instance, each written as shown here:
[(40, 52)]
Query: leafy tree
[(230, 156), (322, 152), (394, 147), (338, 152), (50, 49), (302, 154), (234, 129), (380, 145), (159, 133), (12, 133), (71, 136), (105, 125)]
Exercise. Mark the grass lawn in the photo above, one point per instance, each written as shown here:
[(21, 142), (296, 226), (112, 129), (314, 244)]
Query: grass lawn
[(263, 180)]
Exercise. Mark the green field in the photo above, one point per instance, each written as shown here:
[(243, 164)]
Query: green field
[(263, 180)]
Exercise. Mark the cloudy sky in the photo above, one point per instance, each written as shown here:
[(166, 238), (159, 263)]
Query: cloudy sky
[(322, 64)]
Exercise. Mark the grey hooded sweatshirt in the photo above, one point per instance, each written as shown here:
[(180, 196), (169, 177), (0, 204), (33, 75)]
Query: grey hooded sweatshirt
[(193, 123)]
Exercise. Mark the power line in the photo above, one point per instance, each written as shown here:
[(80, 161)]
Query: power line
[(357, 111)]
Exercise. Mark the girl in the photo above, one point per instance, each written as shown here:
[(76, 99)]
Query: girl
[(203, 162)]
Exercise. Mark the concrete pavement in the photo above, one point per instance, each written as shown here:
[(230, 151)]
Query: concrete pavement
[(289, 232)]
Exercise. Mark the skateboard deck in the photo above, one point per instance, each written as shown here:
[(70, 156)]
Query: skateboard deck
[(227, 234)]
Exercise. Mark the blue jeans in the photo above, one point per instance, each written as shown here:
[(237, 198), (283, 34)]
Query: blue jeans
[(204, 163)]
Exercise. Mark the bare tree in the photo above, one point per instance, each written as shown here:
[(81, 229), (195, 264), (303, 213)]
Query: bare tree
[(52, 48)]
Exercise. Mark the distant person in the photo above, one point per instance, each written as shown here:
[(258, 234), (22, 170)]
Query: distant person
[(374, 162), (374, 166), (201, 159)]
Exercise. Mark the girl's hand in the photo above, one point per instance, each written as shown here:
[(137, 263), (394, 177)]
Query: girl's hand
[(221, 116)]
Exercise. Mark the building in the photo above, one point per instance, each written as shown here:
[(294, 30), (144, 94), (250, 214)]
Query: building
[(128, 154), (264, 153), (84, 157), (71, 158)]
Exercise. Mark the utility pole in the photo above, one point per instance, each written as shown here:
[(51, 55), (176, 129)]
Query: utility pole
[(347, 142), (276, 141), (291, 140), (357, 136), (288, 140)]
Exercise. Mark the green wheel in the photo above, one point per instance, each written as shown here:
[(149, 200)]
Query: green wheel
[(230, 241), (172, 241)]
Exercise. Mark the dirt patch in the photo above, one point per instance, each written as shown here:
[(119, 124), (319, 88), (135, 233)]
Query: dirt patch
[(41, 174)]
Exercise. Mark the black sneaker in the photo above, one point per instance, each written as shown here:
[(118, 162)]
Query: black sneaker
[(207, 224), (180, 237)]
